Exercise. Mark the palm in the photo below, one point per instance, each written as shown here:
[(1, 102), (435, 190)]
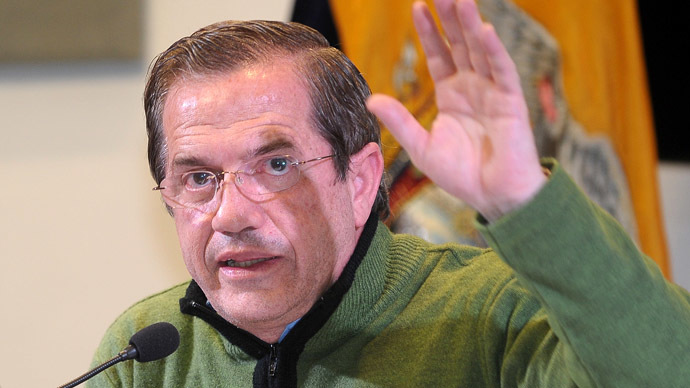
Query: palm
[(480, 147), (475, 145)]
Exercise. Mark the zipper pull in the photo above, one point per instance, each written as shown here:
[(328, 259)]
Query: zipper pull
[(273, 362)]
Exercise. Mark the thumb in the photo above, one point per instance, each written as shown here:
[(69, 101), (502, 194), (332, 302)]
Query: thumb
[(400, 122)]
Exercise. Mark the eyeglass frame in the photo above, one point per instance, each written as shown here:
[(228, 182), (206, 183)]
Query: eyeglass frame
[(220, 179)]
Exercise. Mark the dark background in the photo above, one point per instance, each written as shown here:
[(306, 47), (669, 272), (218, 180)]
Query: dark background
[(665, 37)]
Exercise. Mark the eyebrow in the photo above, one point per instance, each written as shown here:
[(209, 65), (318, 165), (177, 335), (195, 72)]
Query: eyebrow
[(187, 161), (278, 142)]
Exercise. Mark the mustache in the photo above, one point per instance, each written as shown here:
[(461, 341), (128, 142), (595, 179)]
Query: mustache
[(245, 240)]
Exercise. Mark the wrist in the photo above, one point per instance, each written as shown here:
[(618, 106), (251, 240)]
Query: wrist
[(517, 198)]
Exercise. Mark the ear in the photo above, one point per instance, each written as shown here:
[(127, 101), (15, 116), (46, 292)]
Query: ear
[(364, 177)]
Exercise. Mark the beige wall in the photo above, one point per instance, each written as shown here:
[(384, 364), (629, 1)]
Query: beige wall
[(82, 236), (674, 183)]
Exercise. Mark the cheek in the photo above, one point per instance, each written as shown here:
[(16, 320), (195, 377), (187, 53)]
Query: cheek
[(317, 220), (193, 234)]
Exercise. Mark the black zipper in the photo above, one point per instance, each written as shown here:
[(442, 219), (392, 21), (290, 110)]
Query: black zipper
[(273, 362)]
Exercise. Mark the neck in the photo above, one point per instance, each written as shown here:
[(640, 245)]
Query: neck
[(269, 335)]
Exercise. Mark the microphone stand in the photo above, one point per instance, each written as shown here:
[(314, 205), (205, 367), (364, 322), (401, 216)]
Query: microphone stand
[(128, 353)]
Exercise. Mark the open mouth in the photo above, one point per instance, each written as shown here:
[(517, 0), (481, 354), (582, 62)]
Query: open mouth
[(247, 263)]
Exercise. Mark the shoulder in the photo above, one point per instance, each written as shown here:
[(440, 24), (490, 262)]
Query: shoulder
[(471, 286), (160, 307), (467, 269), (448, 257)]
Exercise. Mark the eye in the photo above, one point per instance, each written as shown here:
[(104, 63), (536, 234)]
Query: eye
[(197, 180), (276, 165)]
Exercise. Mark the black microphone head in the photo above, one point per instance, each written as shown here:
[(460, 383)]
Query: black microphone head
[(155, 341)]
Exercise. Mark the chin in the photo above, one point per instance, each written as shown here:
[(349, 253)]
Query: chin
[(252, 307)]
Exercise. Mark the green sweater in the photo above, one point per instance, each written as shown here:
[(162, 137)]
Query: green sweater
[(580, 307)]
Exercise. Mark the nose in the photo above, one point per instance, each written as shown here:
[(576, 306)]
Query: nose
[(236, 212)]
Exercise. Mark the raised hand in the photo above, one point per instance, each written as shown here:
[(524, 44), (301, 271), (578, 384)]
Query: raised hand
[(480, 147)]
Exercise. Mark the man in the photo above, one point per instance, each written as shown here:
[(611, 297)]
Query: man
[(269, 162)]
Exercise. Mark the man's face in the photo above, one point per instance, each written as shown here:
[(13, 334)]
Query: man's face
[(306, 233)]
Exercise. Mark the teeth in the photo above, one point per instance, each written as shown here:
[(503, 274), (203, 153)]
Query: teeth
[(245, 264)]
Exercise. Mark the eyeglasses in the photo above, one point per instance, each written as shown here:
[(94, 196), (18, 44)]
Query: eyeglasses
[(197, 189)]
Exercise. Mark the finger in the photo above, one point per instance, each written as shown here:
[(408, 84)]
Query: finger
[(503, 69), (438, 57), (400, 122), (456, 39), (472, 27)]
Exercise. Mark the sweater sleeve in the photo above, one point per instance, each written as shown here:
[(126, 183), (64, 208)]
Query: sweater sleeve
[(618, 322)]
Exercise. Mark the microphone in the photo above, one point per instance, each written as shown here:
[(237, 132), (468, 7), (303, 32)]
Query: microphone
[(148, 344)]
